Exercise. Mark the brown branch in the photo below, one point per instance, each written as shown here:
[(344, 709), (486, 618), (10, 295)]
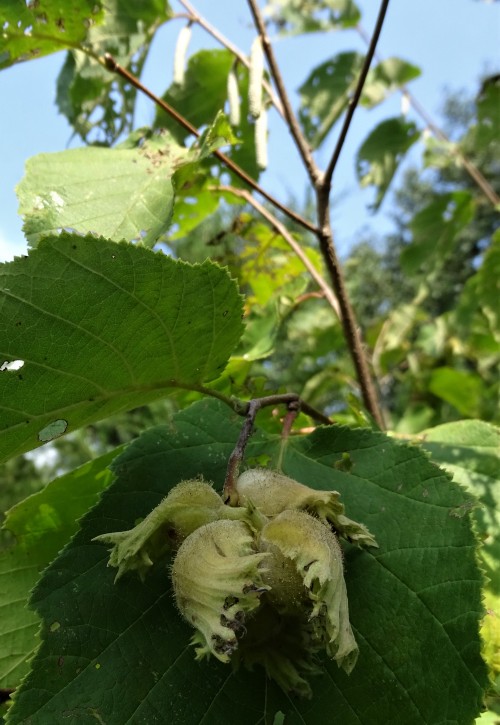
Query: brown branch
[(229, 493), (195, 16), (357, 94), (350, 327), (293, 126), (111, 64), (295, 246), (471, 169), (241, 407), (293, 403)]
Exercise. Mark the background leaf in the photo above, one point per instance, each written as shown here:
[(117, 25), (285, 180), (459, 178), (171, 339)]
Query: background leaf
[(435, 230), (381, 153), (89, 95), (488, 116), (42, 524), (462, 389), (325, 94), (312, 16), (31, 30), (386, 77), (479, 300), (414, 603), (103, 327), (202, 95)]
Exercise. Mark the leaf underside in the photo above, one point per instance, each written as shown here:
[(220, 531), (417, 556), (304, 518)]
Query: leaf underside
[(119, 193)]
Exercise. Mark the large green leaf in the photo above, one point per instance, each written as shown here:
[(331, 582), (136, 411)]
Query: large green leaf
[(325, 94), (470, 450), (33, 29), (121, 193), (42, 524), (103, 327), (381, 153), (92, 98), (120, 653)]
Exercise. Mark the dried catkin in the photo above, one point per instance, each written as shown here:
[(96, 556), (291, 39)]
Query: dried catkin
[(256, 77), (233, 95), (261, 139), (180, 54)]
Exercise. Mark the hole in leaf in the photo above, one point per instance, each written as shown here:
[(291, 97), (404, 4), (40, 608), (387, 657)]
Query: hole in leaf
[(11, 366), (53, 430)]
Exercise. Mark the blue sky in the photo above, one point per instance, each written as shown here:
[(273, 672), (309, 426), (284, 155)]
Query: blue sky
[(453, 41)]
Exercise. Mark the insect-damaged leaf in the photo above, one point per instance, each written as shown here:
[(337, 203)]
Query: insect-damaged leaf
[(120, 193), (32, 29)]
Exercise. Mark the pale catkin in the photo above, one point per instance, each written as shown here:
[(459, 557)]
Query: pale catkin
[(256, 78), (180, 54), (233, 96), (405, 104), (261, 139)]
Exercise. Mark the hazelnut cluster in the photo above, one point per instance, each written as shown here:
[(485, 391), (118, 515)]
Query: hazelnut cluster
[(261, 582)]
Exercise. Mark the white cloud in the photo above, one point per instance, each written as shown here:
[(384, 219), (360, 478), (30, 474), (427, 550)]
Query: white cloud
[(8, 249)]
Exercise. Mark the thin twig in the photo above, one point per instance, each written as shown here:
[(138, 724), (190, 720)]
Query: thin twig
[(241, 407), (471, 169), (293, 409), (357, 93), (229, 494), (293, 125), (292, 401), (295, 246), (211, 30), (111, 64)]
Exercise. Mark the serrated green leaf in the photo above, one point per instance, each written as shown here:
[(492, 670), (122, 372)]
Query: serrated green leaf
[(435, 230), (34, 29), (470, 450), (381, 153), (386, 77), (103, 327), (84, 87), (325, 94), (414, 603), (119, 193), (42, 524)]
